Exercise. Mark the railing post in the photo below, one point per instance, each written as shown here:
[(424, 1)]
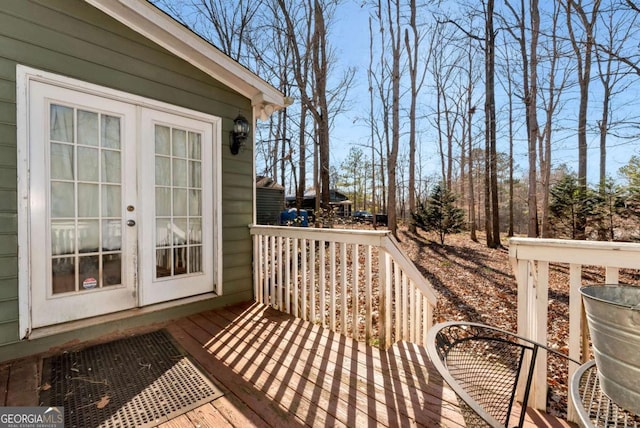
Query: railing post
[(576, 328), (522, 279), (539, 387)]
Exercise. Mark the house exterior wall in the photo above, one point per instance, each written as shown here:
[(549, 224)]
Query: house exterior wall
[(71, 38)]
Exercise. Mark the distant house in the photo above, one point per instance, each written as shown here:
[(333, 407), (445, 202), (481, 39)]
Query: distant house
[(121, 202), (338, 201), (269, 201)]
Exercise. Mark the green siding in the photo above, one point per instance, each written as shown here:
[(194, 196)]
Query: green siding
[(7, 90), (8, 268), (72, 38), (8, 224), (9, 330), (8, 289)]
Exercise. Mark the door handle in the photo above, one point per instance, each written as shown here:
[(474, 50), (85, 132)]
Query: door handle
[(131, 223)]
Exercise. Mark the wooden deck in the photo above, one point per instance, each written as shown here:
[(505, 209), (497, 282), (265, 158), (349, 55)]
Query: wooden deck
[(279, 371)]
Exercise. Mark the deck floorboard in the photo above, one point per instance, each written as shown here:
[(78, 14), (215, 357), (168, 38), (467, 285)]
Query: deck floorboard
[(279, 371)]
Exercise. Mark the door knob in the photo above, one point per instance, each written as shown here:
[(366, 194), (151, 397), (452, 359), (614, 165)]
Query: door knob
[(131, 223)]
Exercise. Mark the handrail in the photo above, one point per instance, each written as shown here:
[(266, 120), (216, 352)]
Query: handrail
[(530, 258), (329, 276)]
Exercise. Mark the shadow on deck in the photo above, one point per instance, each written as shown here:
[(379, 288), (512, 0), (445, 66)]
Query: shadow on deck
[(279, 371)]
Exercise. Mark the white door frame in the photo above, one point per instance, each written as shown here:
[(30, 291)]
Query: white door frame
[(24, 77)]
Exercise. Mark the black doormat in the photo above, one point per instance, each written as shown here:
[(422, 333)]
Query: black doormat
[(138, 381)]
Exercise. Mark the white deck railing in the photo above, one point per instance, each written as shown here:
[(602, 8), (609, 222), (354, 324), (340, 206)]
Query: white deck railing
[(355, 282), (530, 260)]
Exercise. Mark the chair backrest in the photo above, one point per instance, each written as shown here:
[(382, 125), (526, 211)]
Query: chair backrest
[(483, 365)]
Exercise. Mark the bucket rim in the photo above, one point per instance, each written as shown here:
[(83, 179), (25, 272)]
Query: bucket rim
[(583, 292)]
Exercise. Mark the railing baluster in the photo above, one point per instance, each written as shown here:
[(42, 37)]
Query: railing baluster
[(295, 281), (279, 280), (303, 266), (405, 307), (332, 285), (343, 288), (264, 260), (257, 270), (412, 312), (272, 286), (312, 280), (397, 301), (323, 280), (355, 325), (368, 303), (612, 275), (287, 275), (384, 317)]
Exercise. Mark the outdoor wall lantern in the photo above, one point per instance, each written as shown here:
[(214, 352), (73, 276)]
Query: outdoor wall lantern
[(239, 134)]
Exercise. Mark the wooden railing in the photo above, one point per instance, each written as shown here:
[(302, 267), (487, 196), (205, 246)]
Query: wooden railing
[(530, 260), (355, 282)]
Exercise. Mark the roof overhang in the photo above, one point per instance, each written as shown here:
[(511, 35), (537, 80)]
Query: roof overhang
[(149, 21)]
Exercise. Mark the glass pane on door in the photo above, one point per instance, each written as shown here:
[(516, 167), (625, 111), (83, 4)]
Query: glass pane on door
[(178, 198), (85, 199)]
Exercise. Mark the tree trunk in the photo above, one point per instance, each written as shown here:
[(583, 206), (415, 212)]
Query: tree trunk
[(532, 109), (394, 33), (491, 181), (413, 68)]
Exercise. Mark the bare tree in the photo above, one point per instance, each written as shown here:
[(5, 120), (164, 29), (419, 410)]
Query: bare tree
[(581, 28), (555, 82), (388, 15), (617, 26), (529, 58), (508, 84), (416, 84), (314, 92), (228, 25), (446, 66)]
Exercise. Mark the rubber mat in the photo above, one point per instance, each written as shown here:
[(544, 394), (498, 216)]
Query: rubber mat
[(138, 381)]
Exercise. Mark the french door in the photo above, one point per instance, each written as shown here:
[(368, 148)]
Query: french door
[(120, 205), (176, 204)]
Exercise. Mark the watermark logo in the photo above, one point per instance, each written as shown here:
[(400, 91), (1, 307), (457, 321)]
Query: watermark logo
[(31, 417)]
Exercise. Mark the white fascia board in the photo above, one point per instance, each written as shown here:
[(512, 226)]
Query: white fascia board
[(155, 25)]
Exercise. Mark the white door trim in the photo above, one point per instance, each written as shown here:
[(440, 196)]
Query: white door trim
[(24, 76)]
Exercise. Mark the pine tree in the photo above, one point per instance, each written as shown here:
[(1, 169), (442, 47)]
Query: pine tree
[(439, 213)]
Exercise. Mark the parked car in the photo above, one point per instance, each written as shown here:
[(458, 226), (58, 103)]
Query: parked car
[(362, 216)]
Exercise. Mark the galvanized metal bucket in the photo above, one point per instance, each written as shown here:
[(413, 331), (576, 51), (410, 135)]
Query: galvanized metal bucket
[(613, 316)]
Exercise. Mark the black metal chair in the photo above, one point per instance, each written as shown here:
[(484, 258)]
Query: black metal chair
[(483, 366)]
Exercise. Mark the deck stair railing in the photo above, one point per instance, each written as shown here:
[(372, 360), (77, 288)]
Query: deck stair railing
[(355, 282), (530, 259)]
